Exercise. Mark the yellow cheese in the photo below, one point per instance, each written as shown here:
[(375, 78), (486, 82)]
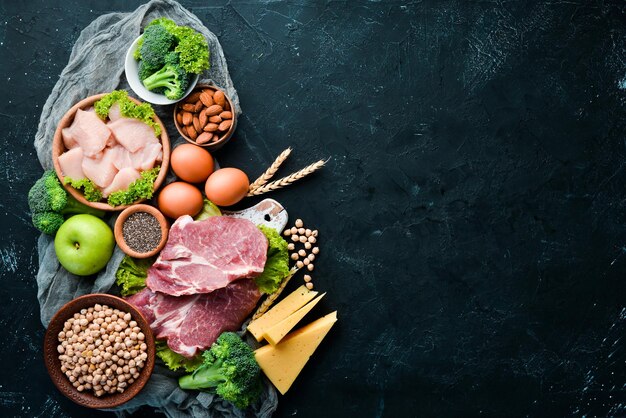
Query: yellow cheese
[(283, 362), (276, 333), (294, 301)]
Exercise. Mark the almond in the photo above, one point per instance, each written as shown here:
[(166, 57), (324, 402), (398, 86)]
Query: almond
[(214, 110), (202, 118), (196, 124), (204, 137), (206, 99), (215, 119), (187, 118), (193, 97), (211, 127), (179, 118), (227, 105), (226, 115), (215, 137), (210, 92), (219, 98), (191, 132), (198, 107), (188, 107), (225, 125)]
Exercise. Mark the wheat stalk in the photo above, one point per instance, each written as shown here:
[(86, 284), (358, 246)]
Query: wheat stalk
[(269, 301), (286, 181), (269, 173)]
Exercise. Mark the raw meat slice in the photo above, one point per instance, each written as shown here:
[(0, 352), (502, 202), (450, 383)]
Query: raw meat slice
[(88, 131), (133, 134), (68, 138), (71, 163), (122, 158), (203, 256), (100, 169), (141, 160), (145, 158), (115, 112), (192, 323), (122, 180)]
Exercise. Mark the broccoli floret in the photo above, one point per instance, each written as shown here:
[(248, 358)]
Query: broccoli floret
[(172, 78), (230, 370), (190, 44), (48, 202), (48, 222), (157, 42), (145, 70), (137, 53)]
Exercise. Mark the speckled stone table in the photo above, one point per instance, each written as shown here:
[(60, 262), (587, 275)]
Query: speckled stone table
[(471, 218)]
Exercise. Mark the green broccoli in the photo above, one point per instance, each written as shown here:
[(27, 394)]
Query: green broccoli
[(230, 370), (157, 42), (145, 70), (171, 77), (49, 202), (190, 45)]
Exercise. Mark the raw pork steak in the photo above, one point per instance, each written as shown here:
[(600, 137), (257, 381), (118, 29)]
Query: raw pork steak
[(203, 256), (192, 323)]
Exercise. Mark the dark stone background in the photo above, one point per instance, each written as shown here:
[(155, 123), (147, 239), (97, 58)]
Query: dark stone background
[(471, 217)]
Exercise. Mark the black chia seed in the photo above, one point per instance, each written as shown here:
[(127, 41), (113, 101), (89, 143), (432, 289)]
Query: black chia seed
[(141, 232)]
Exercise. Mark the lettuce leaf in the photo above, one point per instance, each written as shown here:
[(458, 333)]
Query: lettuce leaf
[(277, 264), (132, 273), (129, 109), (90, 191), (175, 361), (142, 188)]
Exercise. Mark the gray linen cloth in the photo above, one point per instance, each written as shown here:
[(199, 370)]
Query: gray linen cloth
[(96, 65)]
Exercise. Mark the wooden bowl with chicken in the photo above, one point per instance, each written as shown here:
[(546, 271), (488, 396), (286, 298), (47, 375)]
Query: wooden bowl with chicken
[(111, 153)]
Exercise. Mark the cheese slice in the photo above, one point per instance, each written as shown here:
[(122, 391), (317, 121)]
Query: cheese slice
[(283, 362), (294, 301), (276, 333)]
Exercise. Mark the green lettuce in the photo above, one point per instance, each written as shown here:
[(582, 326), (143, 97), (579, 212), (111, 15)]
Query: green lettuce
[(175, 361), (277, 265), (129, 109), (208, 209), (142, 188), (132, 273), (90, 191)]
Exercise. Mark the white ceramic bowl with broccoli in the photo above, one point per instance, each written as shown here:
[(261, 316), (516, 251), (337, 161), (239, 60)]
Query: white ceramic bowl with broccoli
[(164, 64)]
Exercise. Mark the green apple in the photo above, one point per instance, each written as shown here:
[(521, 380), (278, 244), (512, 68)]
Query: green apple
[(84, 244)]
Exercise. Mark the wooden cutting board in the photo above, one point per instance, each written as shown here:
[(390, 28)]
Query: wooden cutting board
[(268, 212)]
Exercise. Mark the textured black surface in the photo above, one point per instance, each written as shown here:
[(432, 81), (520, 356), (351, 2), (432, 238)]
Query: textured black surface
[(471, 216)]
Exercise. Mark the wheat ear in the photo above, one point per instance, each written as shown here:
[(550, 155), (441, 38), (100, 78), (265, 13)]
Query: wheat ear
[(269, 301), (286, 181), (269, 173)]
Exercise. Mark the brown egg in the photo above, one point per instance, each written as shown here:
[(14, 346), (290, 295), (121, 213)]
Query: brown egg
[(226, 186), (191, 163), (180, 198)]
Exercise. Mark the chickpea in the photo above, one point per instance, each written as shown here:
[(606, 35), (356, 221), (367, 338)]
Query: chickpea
[(302, 253), (307, 278), (310, 267), (291, 246), (299, 264), (301, 231), (294, 230), (306, 261), (299, 223), (295, 238), (303, 239), (307, 245), (287, 232), (295, 256), (315, 250), (309, 285)]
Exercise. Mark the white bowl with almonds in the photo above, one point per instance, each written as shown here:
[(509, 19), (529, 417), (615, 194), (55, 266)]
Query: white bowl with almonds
[(206, 117)]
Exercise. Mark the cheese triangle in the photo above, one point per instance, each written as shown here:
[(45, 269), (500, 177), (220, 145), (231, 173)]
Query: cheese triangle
[(276, 333), (283, 362), (294, 301)]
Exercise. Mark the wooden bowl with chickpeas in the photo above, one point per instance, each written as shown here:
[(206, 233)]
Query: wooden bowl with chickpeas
[(99, 351)]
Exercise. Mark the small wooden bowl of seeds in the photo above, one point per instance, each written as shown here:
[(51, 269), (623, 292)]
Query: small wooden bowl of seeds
[(141, 231), (206, 118)]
